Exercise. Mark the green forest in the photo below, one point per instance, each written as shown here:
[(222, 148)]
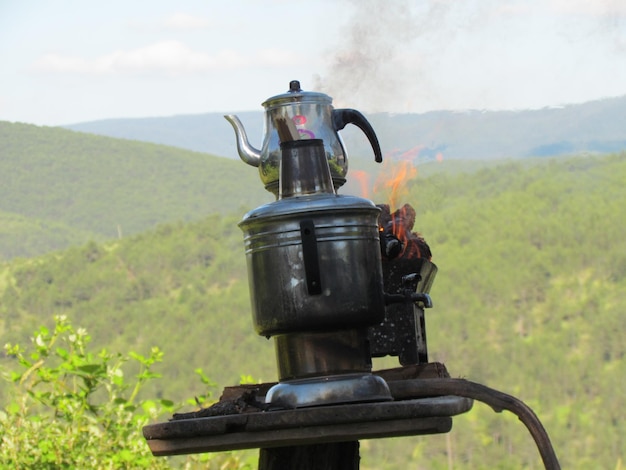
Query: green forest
[(60, 187), (528, 298)]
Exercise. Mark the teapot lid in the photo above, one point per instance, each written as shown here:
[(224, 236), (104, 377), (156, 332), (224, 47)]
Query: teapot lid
[(296, 95)]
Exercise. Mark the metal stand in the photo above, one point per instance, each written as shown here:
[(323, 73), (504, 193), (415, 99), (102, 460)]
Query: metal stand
[(293, 436)]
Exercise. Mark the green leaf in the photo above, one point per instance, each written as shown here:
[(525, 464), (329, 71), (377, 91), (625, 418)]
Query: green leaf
[(90, 368), (62, 353)]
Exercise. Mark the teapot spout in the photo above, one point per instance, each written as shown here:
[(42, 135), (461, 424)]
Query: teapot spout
[(247, 152)]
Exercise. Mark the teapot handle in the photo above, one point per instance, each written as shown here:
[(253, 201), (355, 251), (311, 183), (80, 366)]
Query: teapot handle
[(341, 117)]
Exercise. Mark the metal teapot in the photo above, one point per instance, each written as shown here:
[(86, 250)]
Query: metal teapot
[(313, 117)]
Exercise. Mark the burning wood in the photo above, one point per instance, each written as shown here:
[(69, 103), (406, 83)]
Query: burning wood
[(396, 236)]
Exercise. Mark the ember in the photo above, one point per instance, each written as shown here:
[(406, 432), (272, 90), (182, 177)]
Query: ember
[(398, 226)]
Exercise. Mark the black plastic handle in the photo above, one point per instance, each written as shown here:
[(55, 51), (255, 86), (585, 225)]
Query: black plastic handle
[(310, 257), (341, 117)]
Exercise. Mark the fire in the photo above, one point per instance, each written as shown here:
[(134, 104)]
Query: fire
[(399, 226), (397, 222), (393, 179)]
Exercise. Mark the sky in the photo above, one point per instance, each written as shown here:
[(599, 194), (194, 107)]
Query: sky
[(70, 61)]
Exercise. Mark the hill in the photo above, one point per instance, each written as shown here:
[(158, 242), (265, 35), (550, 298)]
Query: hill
[(101, 188), (528, 300), (596, 126), (208, 133), (26, 237), (60, 188)]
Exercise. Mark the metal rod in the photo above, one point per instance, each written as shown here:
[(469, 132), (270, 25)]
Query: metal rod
[(499, 401)]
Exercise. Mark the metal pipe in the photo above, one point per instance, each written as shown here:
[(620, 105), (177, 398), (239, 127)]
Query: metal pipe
[(417, 388)]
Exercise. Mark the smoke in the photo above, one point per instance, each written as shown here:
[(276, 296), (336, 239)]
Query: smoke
[(377, 62), (410, 56), (608, 19), (613, 23), (365, 67)]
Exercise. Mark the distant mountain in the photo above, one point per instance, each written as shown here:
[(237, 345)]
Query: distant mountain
[(208, 133), (596, 126)]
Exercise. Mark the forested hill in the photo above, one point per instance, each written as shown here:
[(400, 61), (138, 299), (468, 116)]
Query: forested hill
[(79, 186), (24, 237), (529, 299)]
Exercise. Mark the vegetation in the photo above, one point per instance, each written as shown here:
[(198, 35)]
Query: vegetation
[(532, 270), (181, 287), (72, 408), (23, 237), (88, 187)]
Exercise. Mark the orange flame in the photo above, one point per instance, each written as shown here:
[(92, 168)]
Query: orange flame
[(393, 182), (399, 228), (393, 179)]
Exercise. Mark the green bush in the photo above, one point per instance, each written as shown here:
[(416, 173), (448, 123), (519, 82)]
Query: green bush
[(71, 408)]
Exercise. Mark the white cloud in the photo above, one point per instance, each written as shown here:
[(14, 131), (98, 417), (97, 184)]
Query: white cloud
[(165, 57), (57, 63)]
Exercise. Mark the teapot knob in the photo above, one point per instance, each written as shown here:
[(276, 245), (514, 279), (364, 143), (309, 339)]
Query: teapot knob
[(294, 86)]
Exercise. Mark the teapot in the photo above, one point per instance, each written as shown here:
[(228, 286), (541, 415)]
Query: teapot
[(311, 116)]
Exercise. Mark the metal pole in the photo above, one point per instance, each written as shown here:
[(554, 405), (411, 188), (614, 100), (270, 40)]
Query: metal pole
[(333, 456)]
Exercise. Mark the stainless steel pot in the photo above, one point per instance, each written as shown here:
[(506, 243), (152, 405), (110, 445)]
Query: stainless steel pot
[(314, 264)]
